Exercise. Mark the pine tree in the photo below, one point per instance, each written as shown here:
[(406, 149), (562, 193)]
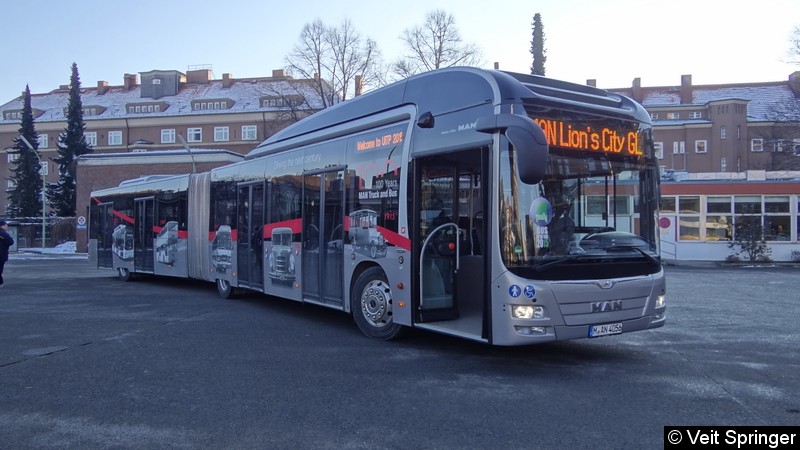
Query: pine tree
[(71, 144), (25, 198), (537, 46)]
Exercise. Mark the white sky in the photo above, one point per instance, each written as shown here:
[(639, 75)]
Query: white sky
[(612, 41)]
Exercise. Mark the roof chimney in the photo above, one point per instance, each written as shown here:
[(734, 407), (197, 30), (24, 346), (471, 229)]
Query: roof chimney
[(199, 76), (227, 80), (686, 89), (102, 87), (591, 82), (278, 73), (794, 83), (130, 81), (636, 89)]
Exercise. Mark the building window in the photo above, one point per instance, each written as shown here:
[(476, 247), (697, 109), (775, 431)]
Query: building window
[(673, 116), (91, 138), (44, 168), (695, 115), (194, 134), (43, 141), (700, 146), (689, 218), (757, 145), (678, 147), (738, 131), (115, 138), (659, 149), (719, 221), (723, 133), (777, 221), (667, 205), (654, 116), (748, 213), (12, 157), (723, 164), (249, 132), (168, 136), (221, 134), (11, 184)]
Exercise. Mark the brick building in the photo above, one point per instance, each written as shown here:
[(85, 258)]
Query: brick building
[(729, 154), (154, 114), (724, 128)]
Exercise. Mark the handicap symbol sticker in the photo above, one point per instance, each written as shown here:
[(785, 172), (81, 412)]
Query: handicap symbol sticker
[(514, 291), (529, 291)]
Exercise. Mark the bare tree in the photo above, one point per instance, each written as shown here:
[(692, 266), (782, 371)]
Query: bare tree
[(435, 44), (783, 138), (333, 57), (794, 47)]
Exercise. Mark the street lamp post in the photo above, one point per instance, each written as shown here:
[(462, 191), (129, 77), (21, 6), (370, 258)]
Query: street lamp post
[(41, 170)]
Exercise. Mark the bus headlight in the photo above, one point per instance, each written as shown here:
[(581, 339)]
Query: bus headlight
[(527, 312), (661, 301)]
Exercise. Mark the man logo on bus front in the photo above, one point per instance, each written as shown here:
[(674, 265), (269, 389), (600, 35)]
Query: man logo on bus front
[(604, 284)]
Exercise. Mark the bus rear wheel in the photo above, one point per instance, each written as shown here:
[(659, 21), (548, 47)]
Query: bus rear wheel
[(124, 274), (224, 288), (371, 305)]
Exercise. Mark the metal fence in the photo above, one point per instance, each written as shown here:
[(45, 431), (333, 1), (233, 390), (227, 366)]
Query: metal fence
[(57, 230)]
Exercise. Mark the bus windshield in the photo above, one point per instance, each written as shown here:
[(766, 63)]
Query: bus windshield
[(591, 207)]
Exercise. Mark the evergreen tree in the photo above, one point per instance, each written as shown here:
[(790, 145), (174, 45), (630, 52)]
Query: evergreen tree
[(537, 46), (71, 144), (25, 198)]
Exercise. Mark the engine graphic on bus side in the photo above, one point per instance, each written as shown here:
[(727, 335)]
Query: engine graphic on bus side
[(123, 242), (364, 234), (281, 257), (222, 249)]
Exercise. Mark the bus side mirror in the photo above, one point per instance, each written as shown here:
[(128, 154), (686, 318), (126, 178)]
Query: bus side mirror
[(527, 138), (532, 152)]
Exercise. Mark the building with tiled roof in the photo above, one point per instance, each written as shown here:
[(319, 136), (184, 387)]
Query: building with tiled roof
[(724, 128), (730, 155), (153, 115)]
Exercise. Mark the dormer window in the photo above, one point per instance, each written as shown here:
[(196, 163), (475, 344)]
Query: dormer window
[(141, 108), (218, 104), (281, 101)]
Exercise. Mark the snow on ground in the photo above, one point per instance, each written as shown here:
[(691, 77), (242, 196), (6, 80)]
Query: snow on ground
[(67, 249)]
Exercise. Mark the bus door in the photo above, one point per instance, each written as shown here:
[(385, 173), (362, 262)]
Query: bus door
[(105, 235), (250, 240), (452, 241), (323, 237), (144, 222)]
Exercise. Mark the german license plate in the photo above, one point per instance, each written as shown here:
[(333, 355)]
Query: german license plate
[(605, 330)]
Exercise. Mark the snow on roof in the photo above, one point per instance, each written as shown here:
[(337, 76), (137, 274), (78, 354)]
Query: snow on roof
[(762, 98), (245, 94)]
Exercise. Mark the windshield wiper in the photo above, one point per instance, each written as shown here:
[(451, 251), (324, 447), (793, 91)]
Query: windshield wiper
[(648, 256), (557, 262)]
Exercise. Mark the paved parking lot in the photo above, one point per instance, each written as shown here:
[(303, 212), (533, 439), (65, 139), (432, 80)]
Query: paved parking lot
[(87, 361)]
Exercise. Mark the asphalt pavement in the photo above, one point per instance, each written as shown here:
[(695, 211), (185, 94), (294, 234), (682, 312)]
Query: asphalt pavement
[(88, 361)]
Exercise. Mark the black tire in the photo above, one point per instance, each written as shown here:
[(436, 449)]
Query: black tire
[(225, 289), (371, 305), (124, 274)]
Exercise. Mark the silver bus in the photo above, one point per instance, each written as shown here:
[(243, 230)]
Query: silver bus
[(507, 209)]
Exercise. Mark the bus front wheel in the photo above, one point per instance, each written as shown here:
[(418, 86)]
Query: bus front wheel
[(224, 288), (371, 305)]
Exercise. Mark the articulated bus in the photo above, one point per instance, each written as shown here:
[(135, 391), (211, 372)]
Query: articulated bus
[(503, 208)]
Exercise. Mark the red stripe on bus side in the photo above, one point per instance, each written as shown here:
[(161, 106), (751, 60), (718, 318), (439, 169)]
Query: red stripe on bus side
[(395, 239), (296, 225)]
